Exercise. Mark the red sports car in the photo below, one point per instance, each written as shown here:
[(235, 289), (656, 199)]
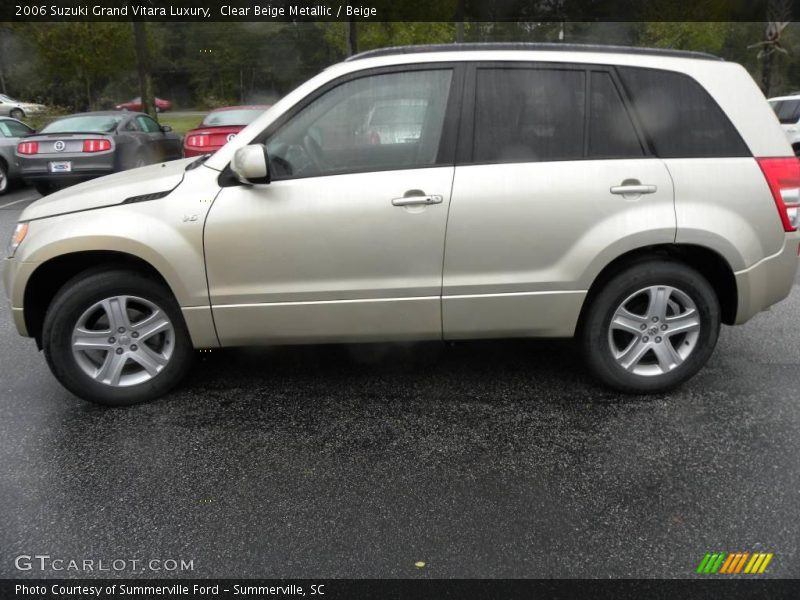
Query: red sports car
[(136, 105), (219, 127)]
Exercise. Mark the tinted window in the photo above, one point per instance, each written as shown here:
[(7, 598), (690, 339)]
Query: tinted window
[(13, 129), (339, 131), (787, 111), (148, 124), (611, 132), (679, 117), (524, 115), (84, 124)]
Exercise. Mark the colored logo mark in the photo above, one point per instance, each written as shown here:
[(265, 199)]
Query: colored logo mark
[(732, 563)]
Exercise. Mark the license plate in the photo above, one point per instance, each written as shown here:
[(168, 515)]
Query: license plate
[(61, 166)]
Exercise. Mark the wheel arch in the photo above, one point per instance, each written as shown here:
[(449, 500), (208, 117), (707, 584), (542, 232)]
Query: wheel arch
[(49, 277), (707, 262)]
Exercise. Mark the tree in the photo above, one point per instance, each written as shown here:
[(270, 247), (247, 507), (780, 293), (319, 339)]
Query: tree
[(143, 68), (81, 56), (699, 36)]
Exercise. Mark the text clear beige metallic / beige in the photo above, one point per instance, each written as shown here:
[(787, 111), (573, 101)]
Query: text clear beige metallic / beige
[(432, 194)]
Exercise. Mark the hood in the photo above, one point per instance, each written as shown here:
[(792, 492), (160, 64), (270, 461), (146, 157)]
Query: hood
[(109, 190)]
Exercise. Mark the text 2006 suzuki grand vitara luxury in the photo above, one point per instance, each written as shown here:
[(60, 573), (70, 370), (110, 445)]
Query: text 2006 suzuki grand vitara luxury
[(632, 198)]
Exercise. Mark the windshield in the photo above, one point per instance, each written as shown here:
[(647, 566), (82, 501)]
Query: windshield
[(84, 124), (788, 111), (4, 98), (232, 117)]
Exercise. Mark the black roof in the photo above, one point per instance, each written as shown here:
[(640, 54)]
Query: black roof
[(477, 47)]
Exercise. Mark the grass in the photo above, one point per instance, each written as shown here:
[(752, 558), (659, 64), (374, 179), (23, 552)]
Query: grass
[(179, 124)]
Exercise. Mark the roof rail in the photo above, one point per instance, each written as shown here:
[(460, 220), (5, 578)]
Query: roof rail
[(551, 47)]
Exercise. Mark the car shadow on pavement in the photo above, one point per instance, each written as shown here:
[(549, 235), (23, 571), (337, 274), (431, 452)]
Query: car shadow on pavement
[(522, 370)]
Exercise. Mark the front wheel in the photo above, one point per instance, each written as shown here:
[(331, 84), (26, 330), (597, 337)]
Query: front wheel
[(116, 338), (16, 113), (651, 327)]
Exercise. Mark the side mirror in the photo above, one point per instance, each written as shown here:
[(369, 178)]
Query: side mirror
[(166, 128), (250, 164)]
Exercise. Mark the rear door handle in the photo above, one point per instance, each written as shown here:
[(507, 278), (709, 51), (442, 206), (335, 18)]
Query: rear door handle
[(631, 189), (414, 200)]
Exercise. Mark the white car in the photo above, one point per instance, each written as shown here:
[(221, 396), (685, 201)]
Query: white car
[(19, 110), (787, 109)]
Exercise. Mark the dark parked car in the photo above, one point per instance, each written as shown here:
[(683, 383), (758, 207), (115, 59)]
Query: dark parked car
[(89, 145), (136, 104), (11, 131), (219, 127)]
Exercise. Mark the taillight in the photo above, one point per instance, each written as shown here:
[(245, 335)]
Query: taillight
[(783, 178), (96, 145), (28, 148), (198, 141)]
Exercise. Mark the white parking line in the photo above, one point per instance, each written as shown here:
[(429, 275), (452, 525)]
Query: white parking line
[(2, 206)]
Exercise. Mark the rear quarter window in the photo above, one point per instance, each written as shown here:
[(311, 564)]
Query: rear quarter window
[(680, 119)]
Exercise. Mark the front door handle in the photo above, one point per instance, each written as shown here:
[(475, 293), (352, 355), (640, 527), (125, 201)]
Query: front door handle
[(417, 198), (632, 187)]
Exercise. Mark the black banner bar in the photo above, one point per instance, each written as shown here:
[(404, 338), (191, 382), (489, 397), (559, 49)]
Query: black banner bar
[(391, 10), (394, 589)]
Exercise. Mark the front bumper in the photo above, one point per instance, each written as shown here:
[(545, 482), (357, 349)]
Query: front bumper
[(768, 281), (15, 274)]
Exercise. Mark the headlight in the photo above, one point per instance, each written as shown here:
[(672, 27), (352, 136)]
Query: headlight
[(20, 232)]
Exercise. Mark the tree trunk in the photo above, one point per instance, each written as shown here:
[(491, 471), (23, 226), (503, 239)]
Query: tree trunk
[(352, 37), (766, 73), (142, 63), (460, 21)]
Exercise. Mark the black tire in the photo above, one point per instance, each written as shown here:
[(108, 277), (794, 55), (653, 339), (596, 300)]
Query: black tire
[(5, 184), (16, 113), (43, 188), (596, 340), (71, 302)]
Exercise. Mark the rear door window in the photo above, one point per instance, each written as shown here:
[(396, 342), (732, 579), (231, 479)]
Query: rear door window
[(528, 115), (611, 131), (679, 117)]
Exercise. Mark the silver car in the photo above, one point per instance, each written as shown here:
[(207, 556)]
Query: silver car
[(19, 110), (11, 131), (633, 199)]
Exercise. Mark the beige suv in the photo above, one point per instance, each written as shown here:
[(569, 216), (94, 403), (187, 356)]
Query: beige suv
[(634, 199)]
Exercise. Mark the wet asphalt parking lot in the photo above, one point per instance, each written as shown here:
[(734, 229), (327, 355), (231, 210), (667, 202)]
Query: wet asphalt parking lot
[(489, 459)]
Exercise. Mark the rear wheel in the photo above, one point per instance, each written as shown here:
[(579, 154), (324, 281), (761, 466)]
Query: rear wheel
[(3, 178), (43, 188), (116, 338), (651, 327)]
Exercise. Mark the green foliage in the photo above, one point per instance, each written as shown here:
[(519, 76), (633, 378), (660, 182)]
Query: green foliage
[(202, 65), (82, 57), (381, 35), (700, 36)]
